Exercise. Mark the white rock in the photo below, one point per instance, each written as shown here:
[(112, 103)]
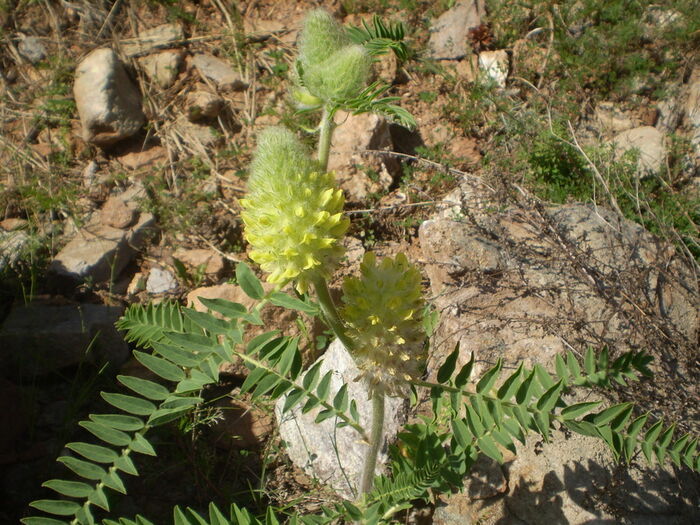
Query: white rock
[(336, 456), (494, 65), (160, 281), (219, 71), (650, 143), (450, 32), (152, 39), (108, 103), (162, 68)]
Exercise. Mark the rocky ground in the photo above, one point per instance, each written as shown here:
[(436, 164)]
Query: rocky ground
[(549, 194)]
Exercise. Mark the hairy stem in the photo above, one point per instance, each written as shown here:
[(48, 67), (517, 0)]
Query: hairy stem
[(329, 311), (324, 140), (375, 441)]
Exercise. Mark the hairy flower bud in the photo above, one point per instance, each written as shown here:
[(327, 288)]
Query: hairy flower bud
[(293, 215), (330, 66), (383, 310)]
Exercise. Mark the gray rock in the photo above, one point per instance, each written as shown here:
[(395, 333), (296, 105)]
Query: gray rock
[(41, 338), (195, 134), (336, 456), (32, 49), (569, 481), (203, 105), (219, 72), (612, 119), (152, 39), (649, 141), (450, 32), (162, 68), (13, 245), (359, 172), (160, 281), (692, 112), (526, 284), (108, 103), (99, 252)]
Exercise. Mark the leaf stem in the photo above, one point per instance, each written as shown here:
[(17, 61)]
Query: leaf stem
[(376, 435), (324, 140)]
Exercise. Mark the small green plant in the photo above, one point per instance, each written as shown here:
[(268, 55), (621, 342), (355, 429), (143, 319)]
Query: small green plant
[(294, 222)]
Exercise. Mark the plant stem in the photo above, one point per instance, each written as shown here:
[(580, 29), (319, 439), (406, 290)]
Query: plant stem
[(324, 140), (375, 441), (329, 311)]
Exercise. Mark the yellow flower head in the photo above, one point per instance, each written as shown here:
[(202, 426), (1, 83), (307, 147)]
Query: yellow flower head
[(383, 310), (293, 214)]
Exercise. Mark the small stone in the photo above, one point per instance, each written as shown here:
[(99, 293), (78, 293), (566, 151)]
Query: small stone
[(32, 49), (152, 39), (219, 71), (136, 285), (387, 67), (160, 281), (136, 160), (89, 173), (118, 214), (613, 119), (650, 143), (108, 103), (195, 133), (203, 105), (100, 252), (450, 32), (494, 65), (211, 263), (162, 68), (12, 247), (257, 30), (13, 224)]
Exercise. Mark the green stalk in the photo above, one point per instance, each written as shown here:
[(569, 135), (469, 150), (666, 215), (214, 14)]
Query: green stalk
[(375, 441), (324, 140), (329, 311)]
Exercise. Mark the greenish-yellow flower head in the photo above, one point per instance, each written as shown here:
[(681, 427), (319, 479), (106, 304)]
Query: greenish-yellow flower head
[(331, 67), (292, 213), (383, 310)]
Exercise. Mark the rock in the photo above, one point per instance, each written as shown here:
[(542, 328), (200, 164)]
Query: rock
[(99, 252), (242, 426), (670, 115), (160, 281), (162, 68), (612, 119), (219, 72), (449, 34), (258, 30), (692, 112), (194, 133), (13, 224), (336, 456), (525, 284), (494, 65), (203, 105), (136, 285), (358, 172), (32, 49), (466, 69), (13, 245), (40, 338), (649, 142), (575, 480), (387, 67), (118, 214), (156, 38), (138, 158), (210, 263), (108, 103)]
